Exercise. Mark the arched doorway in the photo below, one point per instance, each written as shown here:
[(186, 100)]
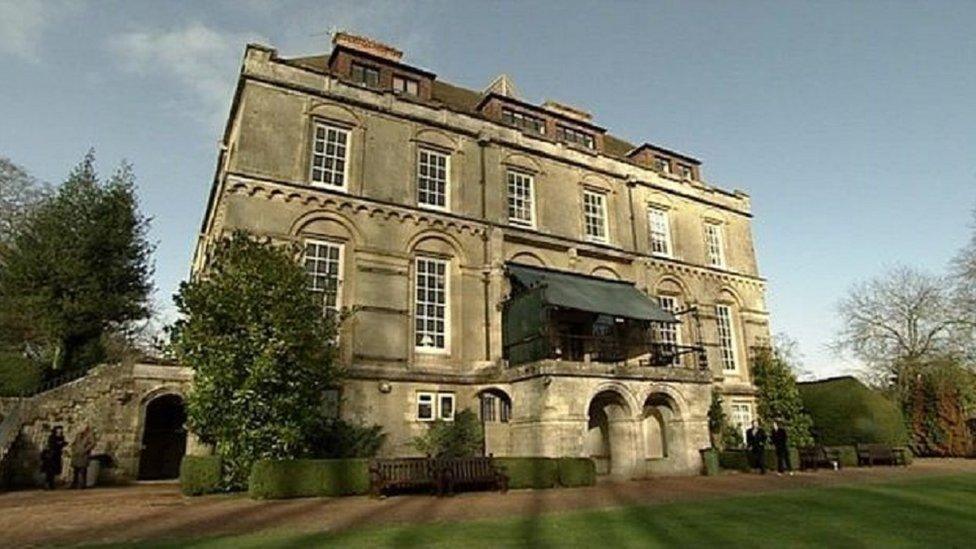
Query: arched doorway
[(610, 433), (495, 411), (664, 443), (163, 438)]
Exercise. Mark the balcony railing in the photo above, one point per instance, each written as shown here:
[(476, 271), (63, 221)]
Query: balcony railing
[(611, 349)]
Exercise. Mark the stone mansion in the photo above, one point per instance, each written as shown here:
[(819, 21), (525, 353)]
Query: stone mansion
[(584, 294)]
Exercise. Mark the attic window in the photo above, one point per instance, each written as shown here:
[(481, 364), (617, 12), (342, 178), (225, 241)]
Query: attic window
[(365, 75), (686, 172), (524, 121), (574, 136), (405, 86), (662, 165)]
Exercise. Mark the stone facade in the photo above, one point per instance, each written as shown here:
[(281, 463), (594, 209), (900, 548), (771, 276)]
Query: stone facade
[(112, 399), (292, 116)]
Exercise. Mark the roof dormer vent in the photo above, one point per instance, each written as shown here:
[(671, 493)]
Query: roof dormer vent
[(502, 85), (367, 46), (567, 111)]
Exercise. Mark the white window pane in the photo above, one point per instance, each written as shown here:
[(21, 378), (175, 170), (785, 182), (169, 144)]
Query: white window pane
[(431, 307)]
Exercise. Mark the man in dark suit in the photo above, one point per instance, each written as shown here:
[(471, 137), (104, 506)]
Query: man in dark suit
[(756, 441), (781, 443)]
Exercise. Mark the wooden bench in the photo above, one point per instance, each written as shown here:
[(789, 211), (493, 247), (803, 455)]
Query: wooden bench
[(870, 454), (814, 457), (401, 473), (469, 471)]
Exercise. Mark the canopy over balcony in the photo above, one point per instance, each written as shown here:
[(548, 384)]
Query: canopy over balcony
[(566, 316)]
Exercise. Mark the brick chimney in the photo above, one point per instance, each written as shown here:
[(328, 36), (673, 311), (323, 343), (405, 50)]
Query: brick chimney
[(367, 46)]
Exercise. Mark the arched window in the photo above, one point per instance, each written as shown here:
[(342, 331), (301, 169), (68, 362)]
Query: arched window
[(496, 406)]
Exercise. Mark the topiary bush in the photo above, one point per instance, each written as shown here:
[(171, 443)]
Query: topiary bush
[(201, 475), (300, 478), (576, 472), (530, 472), (846, 412)]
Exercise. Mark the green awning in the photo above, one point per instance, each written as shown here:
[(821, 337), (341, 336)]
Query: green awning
[(591, 294)]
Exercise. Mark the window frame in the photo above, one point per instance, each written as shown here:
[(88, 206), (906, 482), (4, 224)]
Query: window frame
[(440, 406), (347, 145), (573, 136), (668, 329), (654, 209), (742, 406), (530, 180), (432, 402), (407, 81), (447, 178), (715, 243), (604, 221), (432, 350), (366, 69), (340, 266), (687, 173), (524, 121), (728, 345)]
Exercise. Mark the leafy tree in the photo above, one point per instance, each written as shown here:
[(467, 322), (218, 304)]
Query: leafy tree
[(77, 267), (335, 438), (723, 433), (938, 396), (462, 437), (778, 397), (262, 351)]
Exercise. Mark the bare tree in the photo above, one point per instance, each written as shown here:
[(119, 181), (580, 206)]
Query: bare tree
[(18, 192), (964, 278), (902, 315)]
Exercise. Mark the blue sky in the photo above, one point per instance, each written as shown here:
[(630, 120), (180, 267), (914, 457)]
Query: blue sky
[(852, 125)]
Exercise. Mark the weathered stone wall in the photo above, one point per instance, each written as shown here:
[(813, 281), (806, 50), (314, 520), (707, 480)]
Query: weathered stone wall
[(111, 399)]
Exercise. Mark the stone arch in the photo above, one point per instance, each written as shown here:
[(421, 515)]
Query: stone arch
[(436, 138), (597, 182), (610, 438), (728, 295), (660, 200), (671, 285), (524, 163), (437, 243), (661, 436), (162, 433), (336, 113), (605, 272), (715, 215), (328, 224), (528, 258)]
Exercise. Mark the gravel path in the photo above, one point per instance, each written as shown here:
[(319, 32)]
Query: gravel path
[(158, 511)]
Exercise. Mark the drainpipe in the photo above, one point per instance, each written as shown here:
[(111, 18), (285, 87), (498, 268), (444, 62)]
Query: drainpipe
[(483, 142), (631, 183)]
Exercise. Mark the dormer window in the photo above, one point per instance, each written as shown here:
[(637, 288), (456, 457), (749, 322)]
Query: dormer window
[(662, 165), (524, 121), (575, 137), (363, 74), (406, 86), (686, 172)]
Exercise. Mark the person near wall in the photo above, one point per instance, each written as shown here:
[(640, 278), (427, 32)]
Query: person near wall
[(756, 441), (781, 443), (81, 450), (51, 460)]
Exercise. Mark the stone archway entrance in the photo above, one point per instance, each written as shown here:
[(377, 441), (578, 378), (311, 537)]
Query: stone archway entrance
[(610, 434), (163, 439)]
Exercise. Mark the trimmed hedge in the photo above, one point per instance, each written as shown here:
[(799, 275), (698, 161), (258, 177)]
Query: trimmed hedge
[(741, 460), (736, 460), (576, 472), (201, 475), (298, 478), (846, 412), (848, 455), (530, 472)]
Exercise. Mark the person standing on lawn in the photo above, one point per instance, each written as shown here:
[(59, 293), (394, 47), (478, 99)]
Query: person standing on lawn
[(756, 441), (51, 460), (781, 443), (81, 450)]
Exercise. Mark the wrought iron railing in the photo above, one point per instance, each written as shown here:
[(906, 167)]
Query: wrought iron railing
[(610, 349)]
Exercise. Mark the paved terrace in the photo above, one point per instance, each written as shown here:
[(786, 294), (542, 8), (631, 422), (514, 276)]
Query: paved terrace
[(158, 511)]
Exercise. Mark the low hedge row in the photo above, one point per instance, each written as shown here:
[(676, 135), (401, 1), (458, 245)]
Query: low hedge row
[(741, 460), (577, 472), (297, 478), (201, 475), (540, 472), (847, 454)]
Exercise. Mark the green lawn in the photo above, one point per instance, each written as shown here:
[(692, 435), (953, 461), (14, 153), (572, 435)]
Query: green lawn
[(938, 511)]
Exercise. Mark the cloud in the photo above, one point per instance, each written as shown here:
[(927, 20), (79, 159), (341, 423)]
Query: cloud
[(201, 60), (22, 25)]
